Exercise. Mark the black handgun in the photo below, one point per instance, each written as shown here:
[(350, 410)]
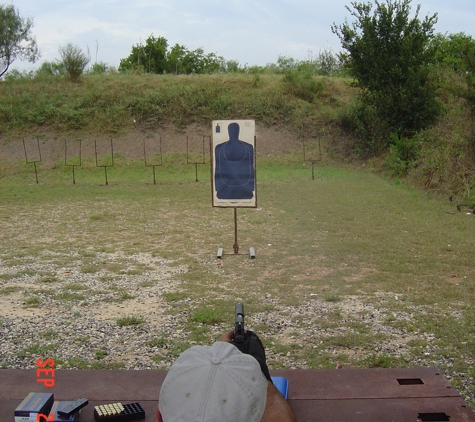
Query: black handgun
[(239, 331)]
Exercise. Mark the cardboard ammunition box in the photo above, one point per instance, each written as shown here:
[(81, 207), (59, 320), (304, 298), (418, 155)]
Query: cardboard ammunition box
[(32, 405)]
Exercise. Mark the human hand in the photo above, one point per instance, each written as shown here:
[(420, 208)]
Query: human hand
[(253, 346), (227, 337)]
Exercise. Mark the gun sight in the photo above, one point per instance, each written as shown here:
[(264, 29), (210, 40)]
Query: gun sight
[(239, 331)]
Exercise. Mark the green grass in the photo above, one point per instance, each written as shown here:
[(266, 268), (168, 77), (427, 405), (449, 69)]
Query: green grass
[(74, 287), (331, 297), (175, 296), (69, 296), (129, 320), (49, 334), (125, 295), (208, 315), (158, 342), (48, 279), (32, 302), (101, 354), (9, 290), (37, 350)]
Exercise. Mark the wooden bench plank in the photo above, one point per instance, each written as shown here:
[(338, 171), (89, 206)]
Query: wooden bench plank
[(367, 383), (93, 385), (381, 410), (328, 395)]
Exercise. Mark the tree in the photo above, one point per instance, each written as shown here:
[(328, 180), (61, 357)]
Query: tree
[(328, 63), (51, 69), (99, 68), (197, 61), (468, 58), (16, 38), (389, 55), (73, 60), (150, 57), (154, 57), (176, 59), (451, 51)]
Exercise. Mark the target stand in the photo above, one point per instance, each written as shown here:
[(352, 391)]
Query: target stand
[(233, 170), (157, 163), (252, 251), (35, 160), (316, 154), (105, 165), (71, 162), (193, 157)]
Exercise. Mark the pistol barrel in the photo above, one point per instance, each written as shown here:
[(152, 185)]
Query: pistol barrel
[(239, 332)]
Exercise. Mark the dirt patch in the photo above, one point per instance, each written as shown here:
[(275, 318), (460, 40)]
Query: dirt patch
[(52, 146)]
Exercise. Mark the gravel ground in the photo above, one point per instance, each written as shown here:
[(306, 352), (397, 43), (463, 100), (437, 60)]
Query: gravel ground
[(73, 318)]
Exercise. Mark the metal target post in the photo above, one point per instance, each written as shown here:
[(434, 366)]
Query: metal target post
[(236, 244), (319, 158), (153, 165), (105, 166), (34, 161), (203, 158), (66, 159), (313, 161)]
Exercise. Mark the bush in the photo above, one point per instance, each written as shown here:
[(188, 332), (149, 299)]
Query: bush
[(15, 75), (363, 120), (50, 69), (403, 154), (73, 60), (99, 68), (302, 84)]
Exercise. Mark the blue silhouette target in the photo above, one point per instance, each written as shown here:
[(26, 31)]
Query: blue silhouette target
[(234, 182)]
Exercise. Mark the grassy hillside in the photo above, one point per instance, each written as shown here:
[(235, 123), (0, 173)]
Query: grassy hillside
[(115, 103), (439, 160)]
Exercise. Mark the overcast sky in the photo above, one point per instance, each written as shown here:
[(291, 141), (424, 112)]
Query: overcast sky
[(252, 32)]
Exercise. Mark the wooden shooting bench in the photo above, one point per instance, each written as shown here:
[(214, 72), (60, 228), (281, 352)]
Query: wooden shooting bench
[(338, 395)]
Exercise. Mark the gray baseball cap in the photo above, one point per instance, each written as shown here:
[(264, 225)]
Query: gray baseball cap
[(214, 383)]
